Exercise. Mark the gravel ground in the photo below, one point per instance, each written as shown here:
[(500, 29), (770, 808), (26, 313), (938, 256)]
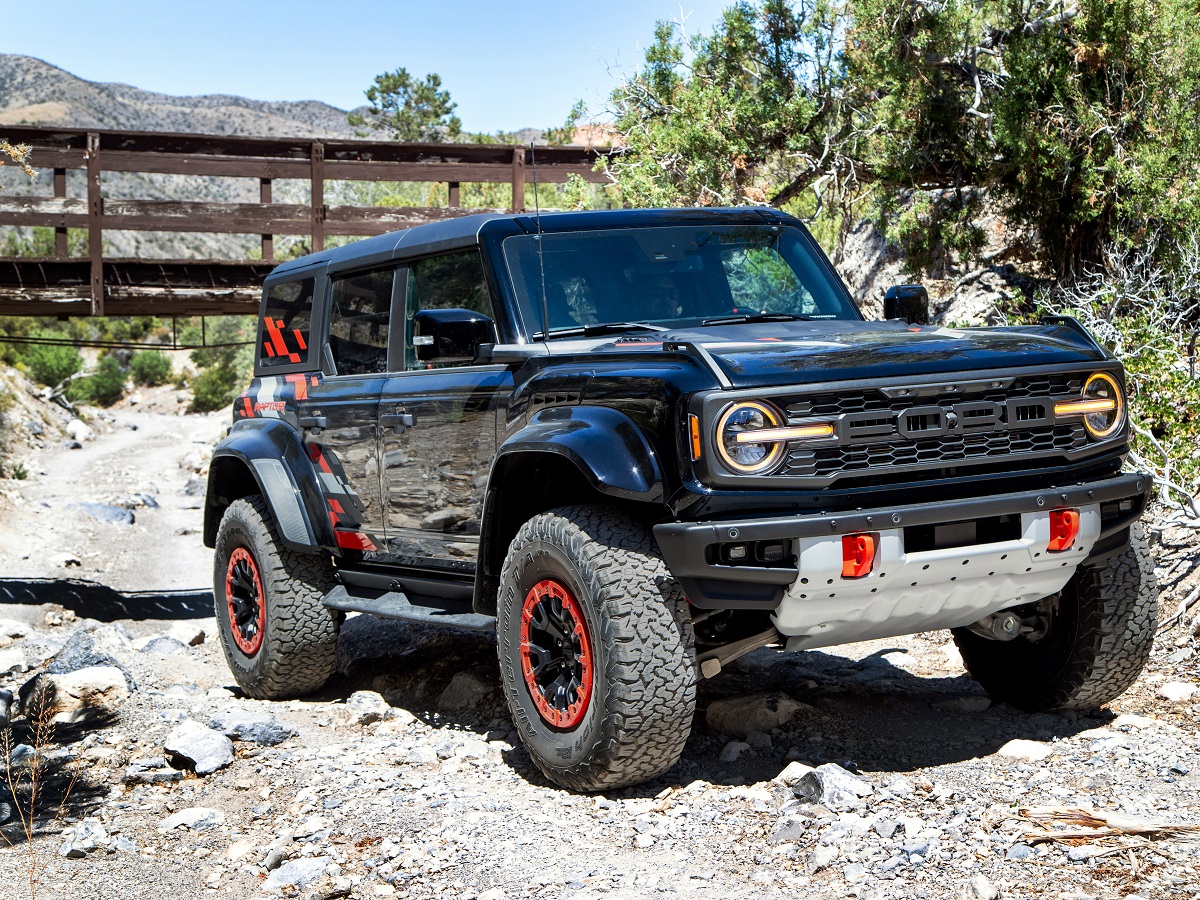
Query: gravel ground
[(403, 778)]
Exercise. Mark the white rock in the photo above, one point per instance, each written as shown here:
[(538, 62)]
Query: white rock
[(979, 888), (194, 818), (1132, 720), (364, 708), (1177, 691), (191, 633), (205, 749), (1030, 751), (11, 630), (731, 751), (792, 773), (84, 838), (493, 894), (87, 694), (298, 872), (738, 716), (12, 661), (832, 787), (822, 857), (78, 430)]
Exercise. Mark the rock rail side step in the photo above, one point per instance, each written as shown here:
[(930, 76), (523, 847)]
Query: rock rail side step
[(395, 605)]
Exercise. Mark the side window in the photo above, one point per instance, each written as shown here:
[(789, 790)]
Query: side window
[(453, 281), (286, 317), (358, 321), (761, 280)]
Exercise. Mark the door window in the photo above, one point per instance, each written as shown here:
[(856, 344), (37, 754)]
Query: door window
[(452, 281), (358, 321)]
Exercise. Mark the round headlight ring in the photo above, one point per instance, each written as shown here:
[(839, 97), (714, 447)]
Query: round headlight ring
[(1102, 386), (750, 458)]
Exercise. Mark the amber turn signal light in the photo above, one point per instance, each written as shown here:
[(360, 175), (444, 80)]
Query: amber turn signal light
[(858, 555), (1064, 528), (694, 428)]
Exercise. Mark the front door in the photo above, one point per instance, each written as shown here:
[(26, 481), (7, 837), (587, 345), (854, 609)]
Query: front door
[(439, 428)]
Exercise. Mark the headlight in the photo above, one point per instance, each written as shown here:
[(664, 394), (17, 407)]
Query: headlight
[(1102, 407), (742, 450)]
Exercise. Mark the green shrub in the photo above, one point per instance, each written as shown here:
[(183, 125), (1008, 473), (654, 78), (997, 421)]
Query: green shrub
[(214, 388), (150, 368), (51, 364), (107, 385)]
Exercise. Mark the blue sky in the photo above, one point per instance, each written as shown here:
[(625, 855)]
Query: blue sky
[(507, 65)]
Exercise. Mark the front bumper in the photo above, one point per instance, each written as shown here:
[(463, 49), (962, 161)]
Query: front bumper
[(691, 550)]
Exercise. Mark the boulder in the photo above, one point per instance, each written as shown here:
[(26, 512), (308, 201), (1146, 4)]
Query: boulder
[(164, 646), (91, 694), (192, 633), (105, 512), (78, 430), (252, 726), (13, 661), (104, 645), (199, 748), (364, 708), (739, 716), (151, 770), (298, 872), (85, 837)]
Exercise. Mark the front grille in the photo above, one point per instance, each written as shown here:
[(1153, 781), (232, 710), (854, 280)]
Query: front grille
[(963, 420)]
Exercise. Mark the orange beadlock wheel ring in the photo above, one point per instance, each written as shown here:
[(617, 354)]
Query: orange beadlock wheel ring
[(246, 601), (556, 654)]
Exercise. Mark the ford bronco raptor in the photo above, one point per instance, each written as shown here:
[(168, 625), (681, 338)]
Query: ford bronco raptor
[(640, 443)]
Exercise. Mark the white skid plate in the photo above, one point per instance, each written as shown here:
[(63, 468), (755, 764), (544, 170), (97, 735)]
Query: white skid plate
[(907, 593)]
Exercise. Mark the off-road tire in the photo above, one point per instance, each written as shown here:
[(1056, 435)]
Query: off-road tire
[(1098, 642), (643, 696), (298, 649)]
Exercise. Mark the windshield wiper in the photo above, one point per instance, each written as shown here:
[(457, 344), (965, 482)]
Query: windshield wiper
[(606, 328), (756, 317)]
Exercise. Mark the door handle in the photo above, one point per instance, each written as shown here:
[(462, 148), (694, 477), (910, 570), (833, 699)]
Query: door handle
[(316, 423), (396, 421)]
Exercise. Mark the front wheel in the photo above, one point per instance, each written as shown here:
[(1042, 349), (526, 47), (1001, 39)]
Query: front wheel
[(597, 653), (278, 639), (1100, 631)]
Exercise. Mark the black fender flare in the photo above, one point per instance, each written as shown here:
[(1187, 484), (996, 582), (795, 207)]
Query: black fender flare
[(607, 447), (270, 451)]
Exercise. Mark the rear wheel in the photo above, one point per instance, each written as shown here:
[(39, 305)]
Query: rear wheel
[(1099, 633), (596, 649), (278, 639)]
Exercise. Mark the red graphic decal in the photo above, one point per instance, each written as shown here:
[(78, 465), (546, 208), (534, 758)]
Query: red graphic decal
[(278, 341), (315, 454), (301, 384), (246, 405), (267, 347), (299, 339)]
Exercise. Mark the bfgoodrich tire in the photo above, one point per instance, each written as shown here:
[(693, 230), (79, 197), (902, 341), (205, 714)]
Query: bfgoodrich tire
[(1098, 640), (597, 653), (278, 639)]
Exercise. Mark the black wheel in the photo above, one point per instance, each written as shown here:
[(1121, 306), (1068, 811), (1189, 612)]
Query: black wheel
[(278, 639), (1100, 631), (597, 654)]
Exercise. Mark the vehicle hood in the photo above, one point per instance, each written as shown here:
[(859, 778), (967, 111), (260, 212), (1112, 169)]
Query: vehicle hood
[(781, 353)]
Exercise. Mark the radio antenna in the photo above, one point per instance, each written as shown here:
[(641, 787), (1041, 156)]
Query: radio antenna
[(537, 215)]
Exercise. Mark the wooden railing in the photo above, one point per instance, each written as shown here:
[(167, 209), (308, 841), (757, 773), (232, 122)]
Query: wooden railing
[(98, 286)]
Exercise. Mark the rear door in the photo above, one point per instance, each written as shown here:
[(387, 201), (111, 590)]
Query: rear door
[(339, 412), (439, 433)]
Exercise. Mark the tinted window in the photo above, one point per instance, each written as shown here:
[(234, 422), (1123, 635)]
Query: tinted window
[(359, 309), (670, 276), (286, 318), (453, 281)]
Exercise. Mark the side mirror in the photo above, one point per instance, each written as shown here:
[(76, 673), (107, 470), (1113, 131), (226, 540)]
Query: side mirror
[(909, 302), (451, 335)]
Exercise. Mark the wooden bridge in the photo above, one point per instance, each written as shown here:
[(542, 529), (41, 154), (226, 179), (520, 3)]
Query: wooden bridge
[(93, 285)]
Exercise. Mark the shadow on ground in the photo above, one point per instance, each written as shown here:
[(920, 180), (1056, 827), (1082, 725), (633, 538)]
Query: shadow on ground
[(91, 600), (868, 715)]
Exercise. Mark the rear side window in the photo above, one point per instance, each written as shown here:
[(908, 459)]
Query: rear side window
[(286, 318), (359, 309)]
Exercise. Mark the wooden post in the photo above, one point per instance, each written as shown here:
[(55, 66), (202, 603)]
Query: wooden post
[(518, 180), (60, 234), (95, 209), (268, 241), (318, 197), (454, 200)]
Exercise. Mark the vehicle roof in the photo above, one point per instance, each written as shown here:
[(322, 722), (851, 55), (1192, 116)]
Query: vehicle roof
[(464, 231)]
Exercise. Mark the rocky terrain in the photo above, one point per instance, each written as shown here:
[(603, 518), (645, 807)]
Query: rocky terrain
[(876, 770)]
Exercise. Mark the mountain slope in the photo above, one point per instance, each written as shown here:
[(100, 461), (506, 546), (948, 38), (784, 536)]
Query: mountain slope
[(33, 92)]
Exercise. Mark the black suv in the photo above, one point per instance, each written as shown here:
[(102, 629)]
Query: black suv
[(641, 443)]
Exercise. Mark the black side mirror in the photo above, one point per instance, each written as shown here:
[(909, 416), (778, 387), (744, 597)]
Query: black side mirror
[(909, 302), (451, 335)]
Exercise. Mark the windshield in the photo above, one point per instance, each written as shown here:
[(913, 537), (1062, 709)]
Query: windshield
[(672, 277)]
